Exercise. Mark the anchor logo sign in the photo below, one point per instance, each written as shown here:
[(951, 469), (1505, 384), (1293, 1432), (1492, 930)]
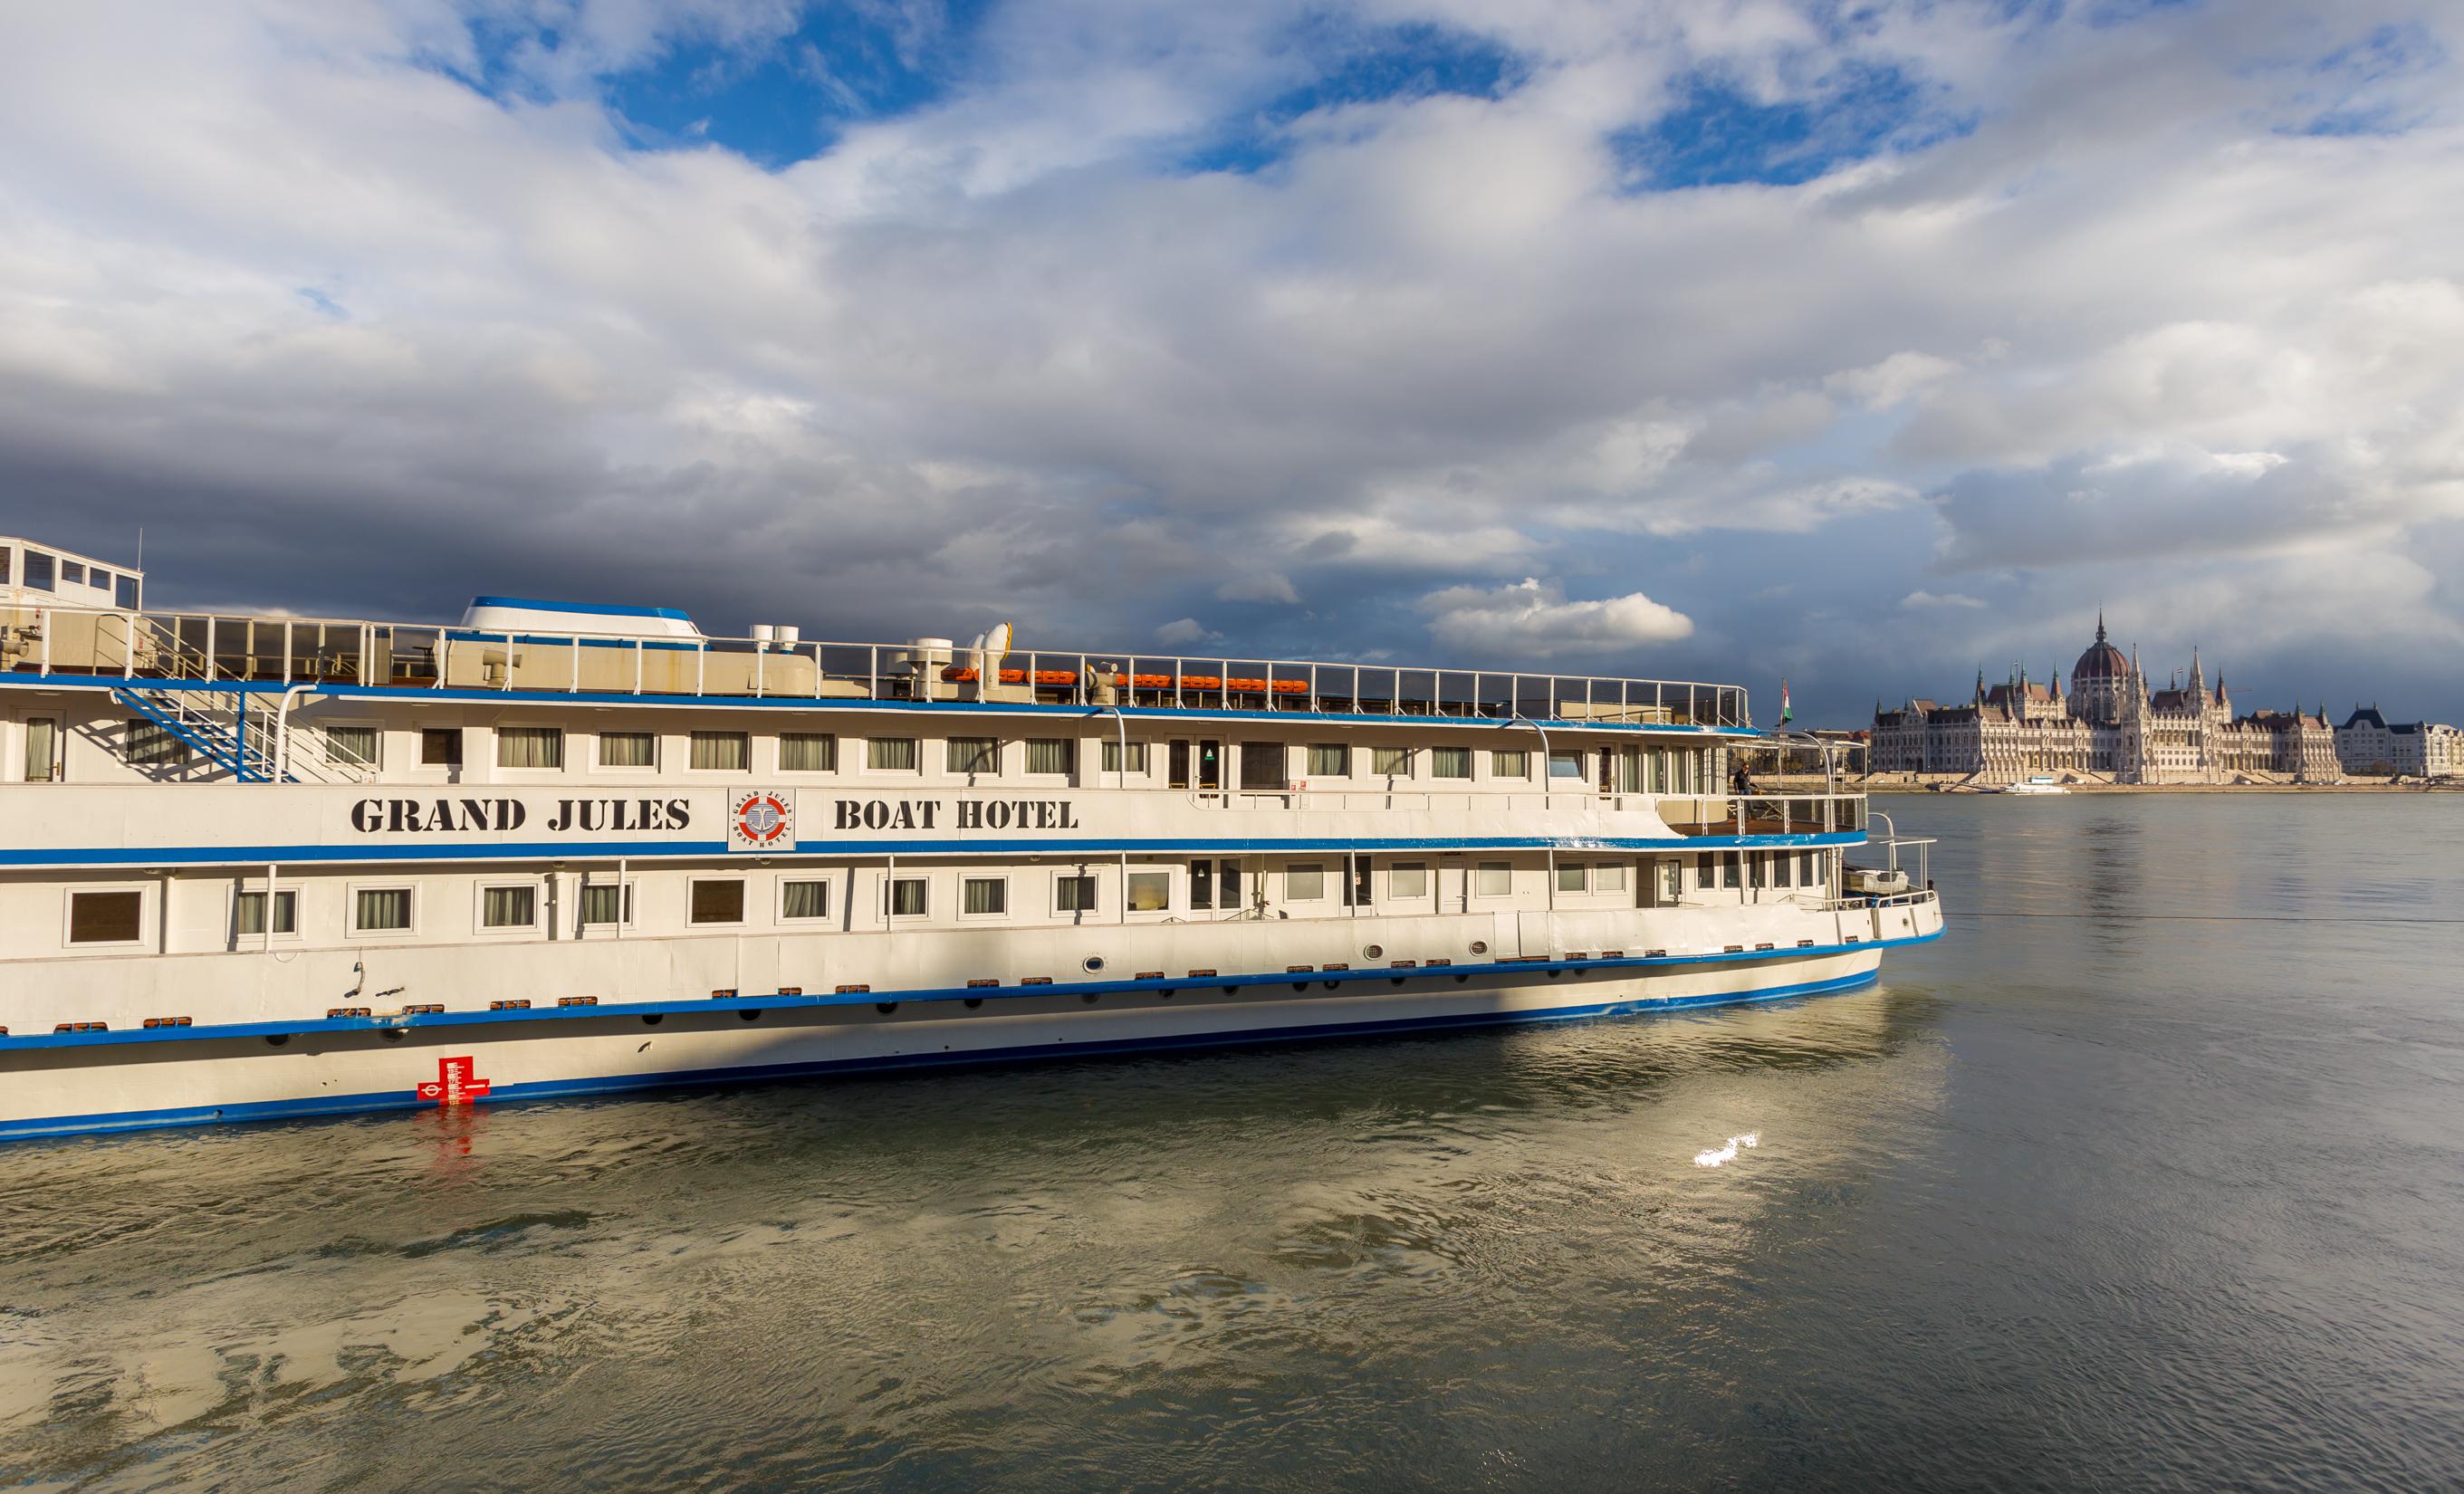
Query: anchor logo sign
[(762, 818), (454, 1082)]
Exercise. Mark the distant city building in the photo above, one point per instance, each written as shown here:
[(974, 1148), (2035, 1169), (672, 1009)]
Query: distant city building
[(2110, 724), (2367, 743)]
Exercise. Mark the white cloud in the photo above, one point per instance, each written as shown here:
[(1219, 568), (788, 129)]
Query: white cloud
[(1534, 621), (1262, 587), (1916, 601), (1184, 630)]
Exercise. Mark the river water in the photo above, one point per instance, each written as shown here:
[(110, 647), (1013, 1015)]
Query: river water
[(2150, 1176)]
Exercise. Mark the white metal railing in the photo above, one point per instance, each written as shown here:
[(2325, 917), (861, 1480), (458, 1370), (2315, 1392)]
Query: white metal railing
[(216, 646)]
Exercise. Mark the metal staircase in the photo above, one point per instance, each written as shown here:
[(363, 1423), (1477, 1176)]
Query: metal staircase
[(220, 726)]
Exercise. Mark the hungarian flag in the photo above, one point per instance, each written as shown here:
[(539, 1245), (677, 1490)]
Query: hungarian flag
[(1786, 714)]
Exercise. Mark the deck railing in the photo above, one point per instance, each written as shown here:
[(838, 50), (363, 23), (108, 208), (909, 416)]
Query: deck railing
[(225, 647)]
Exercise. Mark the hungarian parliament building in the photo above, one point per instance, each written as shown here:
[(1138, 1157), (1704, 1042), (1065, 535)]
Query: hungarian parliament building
[(2109, 724)]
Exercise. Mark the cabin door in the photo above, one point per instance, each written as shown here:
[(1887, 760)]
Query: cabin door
[(1196, 765)]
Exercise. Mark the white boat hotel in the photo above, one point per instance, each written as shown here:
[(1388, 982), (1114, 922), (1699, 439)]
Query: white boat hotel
[(273, 866)]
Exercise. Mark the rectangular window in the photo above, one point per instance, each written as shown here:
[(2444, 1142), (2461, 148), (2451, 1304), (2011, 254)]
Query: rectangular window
[(152, 746), (805, 752), (43, 749), (1509, 764), (1201, 886), (1574, 878), (126, 595), (628, 750), (1608, 876), (38, 571), (1758, 870), (971, 755), (105, 917), (1494, 879), (1807, 874), (353, 746), (1112, 757), (1149, 891), (71, 574), (1330, 760), (603, 903), (802, 901), (511, 906), (1074, 894), (1391, 761), (1228, 884), (722, 752), (716, 900), (891, 753), (98, 577), (1565, 765), (1784, 866), (1355, 894), (247, 912), (380, 910), (1304, 883), (1263, 766), (1409, 880), (1707, 869), (440, 746), (983, 897), (539, 747), (907, 897), (1449, 763), (1729, 877), (1051, 754)]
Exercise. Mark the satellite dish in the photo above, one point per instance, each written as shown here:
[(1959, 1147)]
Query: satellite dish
[(997, 641)]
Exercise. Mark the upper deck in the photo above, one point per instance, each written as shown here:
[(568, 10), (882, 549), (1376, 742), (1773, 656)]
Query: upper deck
[(243, 651)]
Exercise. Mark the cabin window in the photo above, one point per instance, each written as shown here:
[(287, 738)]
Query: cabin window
[(721, 752), (381, 909), (38, 571), (440, 746), (604, 903), (1494, 879), (1608, 876), (803, 752), (1707, 869), (983, 897), (531, 747), (1394, 762), (716, 900), (1264, 766), (628, 750), (891, 753), (1073, 893), (1304, 883), (105, 917), (126, 594), (1052, 754), (1449, 763), (1574, 877), (1807, 872), (353, 746), (907, 898), (1758, 870), (1356, 892), (1729, 877), (1509, 764), (1784, 867), (152, 746), (247, 912), (1330, 760), (1565, 765), (804, 900), (971, 755), (1201, 886), (43, 749), (1409, 880), (512, 906), (1137, 758), (1149, 891)]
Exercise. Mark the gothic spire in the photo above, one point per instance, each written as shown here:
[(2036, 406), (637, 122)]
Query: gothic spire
[(2100, 625)]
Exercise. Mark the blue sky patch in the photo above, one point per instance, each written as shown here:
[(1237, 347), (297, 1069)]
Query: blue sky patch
[(1413, 61), (1716, 136)]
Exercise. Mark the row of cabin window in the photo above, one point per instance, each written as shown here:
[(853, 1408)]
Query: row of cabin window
[(44, 571), (1760, 869)]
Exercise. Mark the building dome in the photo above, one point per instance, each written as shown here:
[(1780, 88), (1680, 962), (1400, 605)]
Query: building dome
[(2102, 660)]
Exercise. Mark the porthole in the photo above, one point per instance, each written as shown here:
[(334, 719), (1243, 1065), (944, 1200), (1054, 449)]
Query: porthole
[(974, 1002), (1088, 997), (275, 1039), (1092, 964), (393, 1035), (1459, 980), (884, 1008), (1397, 980), (654, 1018), (750, 1014), (1480, 946), (1303, 985), (1372, 950)]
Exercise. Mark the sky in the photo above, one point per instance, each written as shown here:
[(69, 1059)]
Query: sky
[(1862, 343)]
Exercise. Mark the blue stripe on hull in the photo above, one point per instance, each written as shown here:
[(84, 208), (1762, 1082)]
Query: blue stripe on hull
[(558, 1088)]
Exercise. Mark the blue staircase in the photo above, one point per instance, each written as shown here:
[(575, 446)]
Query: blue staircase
[(212, 728)]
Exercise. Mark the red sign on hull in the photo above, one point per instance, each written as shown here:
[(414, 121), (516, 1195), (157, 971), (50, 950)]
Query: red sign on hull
[(455, 1084)]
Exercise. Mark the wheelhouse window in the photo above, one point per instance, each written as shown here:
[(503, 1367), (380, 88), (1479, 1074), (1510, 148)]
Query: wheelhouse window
[(381, 909), (807, 752), (536, 747), (1263, 766), (983, 897), (114, 917), (1492, 879), (1074, 892), (38, 572), (1137, 758), (440, 746), (152, 746), (971, 755), (1304, 882), (1449, 763), (716, 900), (628, 750), (1149, 891), (891, 753), (1330, 760), (512, 906), (247, 912), (803, 900), (1391, 761), (353, 746), (907, 897), (71, 574), (126, 594), (1509, 764), (721, 752), (1057, 754)]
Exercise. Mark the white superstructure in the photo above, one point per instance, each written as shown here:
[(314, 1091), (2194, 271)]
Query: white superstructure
[(260, 865)]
